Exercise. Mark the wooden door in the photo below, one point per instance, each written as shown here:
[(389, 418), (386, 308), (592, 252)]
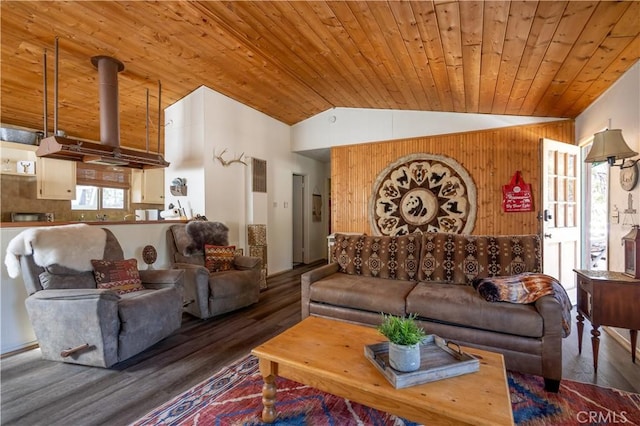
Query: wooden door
[(561, 212)]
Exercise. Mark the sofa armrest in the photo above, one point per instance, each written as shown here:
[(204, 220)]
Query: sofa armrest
[(551, 311), (309, 278), (247, 262), (196, 288)]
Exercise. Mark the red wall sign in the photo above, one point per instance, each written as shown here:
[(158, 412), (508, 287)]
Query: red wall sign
[(516, 195)]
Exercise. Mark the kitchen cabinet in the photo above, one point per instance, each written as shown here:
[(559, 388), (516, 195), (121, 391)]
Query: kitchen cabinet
[(147, 186), (15, 155), (56, 179)]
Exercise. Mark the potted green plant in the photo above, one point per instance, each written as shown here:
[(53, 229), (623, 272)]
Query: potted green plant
[(404, 336)]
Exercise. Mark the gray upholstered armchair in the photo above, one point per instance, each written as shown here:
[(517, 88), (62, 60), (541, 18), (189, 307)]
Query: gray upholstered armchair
[(206, 293), (76, 322)]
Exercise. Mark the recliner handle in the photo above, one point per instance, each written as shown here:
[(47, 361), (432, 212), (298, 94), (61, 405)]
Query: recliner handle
[(68, 352)]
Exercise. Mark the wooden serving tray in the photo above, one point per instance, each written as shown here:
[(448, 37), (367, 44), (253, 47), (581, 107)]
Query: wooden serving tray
[(437, 361)]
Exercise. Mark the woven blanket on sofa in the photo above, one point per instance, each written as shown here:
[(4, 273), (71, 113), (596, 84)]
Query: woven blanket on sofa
[(525, 288)]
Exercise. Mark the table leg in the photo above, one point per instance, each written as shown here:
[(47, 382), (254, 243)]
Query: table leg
[(634, 341), (595, 345), (269, 371), (580, 326)]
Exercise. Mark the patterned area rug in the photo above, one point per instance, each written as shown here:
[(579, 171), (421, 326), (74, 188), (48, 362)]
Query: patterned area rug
[(233, 397)]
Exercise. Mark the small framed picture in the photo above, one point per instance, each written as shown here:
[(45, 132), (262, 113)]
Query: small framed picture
[(316, 208), (26, 167)]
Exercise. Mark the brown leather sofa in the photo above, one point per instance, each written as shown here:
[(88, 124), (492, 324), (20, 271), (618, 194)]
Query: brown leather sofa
[(430, 275)]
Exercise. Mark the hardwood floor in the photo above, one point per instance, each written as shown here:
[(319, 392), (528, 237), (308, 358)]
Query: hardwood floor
[(38, 392)]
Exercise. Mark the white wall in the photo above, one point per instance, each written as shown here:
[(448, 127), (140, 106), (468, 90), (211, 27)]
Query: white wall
[(184, 128), (617, 108), (345, 126), (16, 331), (220, 193)]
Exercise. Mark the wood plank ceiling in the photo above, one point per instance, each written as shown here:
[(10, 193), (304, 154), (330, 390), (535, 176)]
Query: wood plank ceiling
[(292, 60)]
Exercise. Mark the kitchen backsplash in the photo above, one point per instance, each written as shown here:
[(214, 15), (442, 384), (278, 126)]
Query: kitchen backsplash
[(18, 194)]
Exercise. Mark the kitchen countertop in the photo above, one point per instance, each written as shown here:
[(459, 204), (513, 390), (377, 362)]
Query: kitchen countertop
[(99, 223)]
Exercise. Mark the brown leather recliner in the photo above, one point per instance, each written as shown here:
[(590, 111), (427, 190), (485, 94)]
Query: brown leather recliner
[(208, 294)]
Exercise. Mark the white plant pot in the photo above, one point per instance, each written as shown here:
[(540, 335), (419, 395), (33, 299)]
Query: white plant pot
[(404, 358)]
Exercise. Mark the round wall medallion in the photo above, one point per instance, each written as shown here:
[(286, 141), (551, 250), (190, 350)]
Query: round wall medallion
[(629, 175), (149, 255), (423, 192)]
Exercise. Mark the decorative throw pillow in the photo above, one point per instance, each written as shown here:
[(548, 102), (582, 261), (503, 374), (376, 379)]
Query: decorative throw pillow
[(122, 276), (219, 258)]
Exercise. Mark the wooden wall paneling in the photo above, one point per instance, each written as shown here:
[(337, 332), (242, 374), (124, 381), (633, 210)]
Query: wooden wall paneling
[(491, 157)]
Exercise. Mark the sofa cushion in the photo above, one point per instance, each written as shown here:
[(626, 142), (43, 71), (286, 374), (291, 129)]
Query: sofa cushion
[(358, 292), (454, 258), (119, 275), (229, 284), (219, 258), (382, 257), (461, 305), (146, 317)]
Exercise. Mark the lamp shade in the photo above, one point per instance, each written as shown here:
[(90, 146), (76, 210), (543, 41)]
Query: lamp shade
[(609, 144)]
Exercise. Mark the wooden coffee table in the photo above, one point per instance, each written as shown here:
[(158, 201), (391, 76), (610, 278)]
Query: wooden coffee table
[(329, 355)]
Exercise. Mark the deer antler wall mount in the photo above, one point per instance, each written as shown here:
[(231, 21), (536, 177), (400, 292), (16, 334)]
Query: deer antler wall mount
[(226, 163)]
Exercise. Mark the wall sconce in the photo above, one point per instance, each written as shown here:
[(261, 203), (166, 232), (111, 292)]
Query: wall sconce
[(609, 146)]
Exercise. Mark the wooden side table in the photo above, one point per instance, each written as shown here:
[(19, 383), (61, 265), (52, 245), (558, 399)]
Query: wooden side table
[(611, 299)]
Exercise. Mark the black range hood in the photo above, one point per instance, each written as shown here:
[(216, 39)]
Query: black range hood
[(108, 151)]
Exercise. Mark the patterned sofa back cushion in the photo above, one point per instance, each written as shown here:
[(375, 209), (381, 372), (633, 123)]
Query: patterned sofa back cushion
[(382, 257), (458, 259)]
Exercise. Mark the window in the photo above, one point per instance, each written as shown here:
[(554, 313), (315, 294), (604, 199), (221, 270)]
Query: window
[(112, 198), (100, 187), (86, 198), (96, 198)]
